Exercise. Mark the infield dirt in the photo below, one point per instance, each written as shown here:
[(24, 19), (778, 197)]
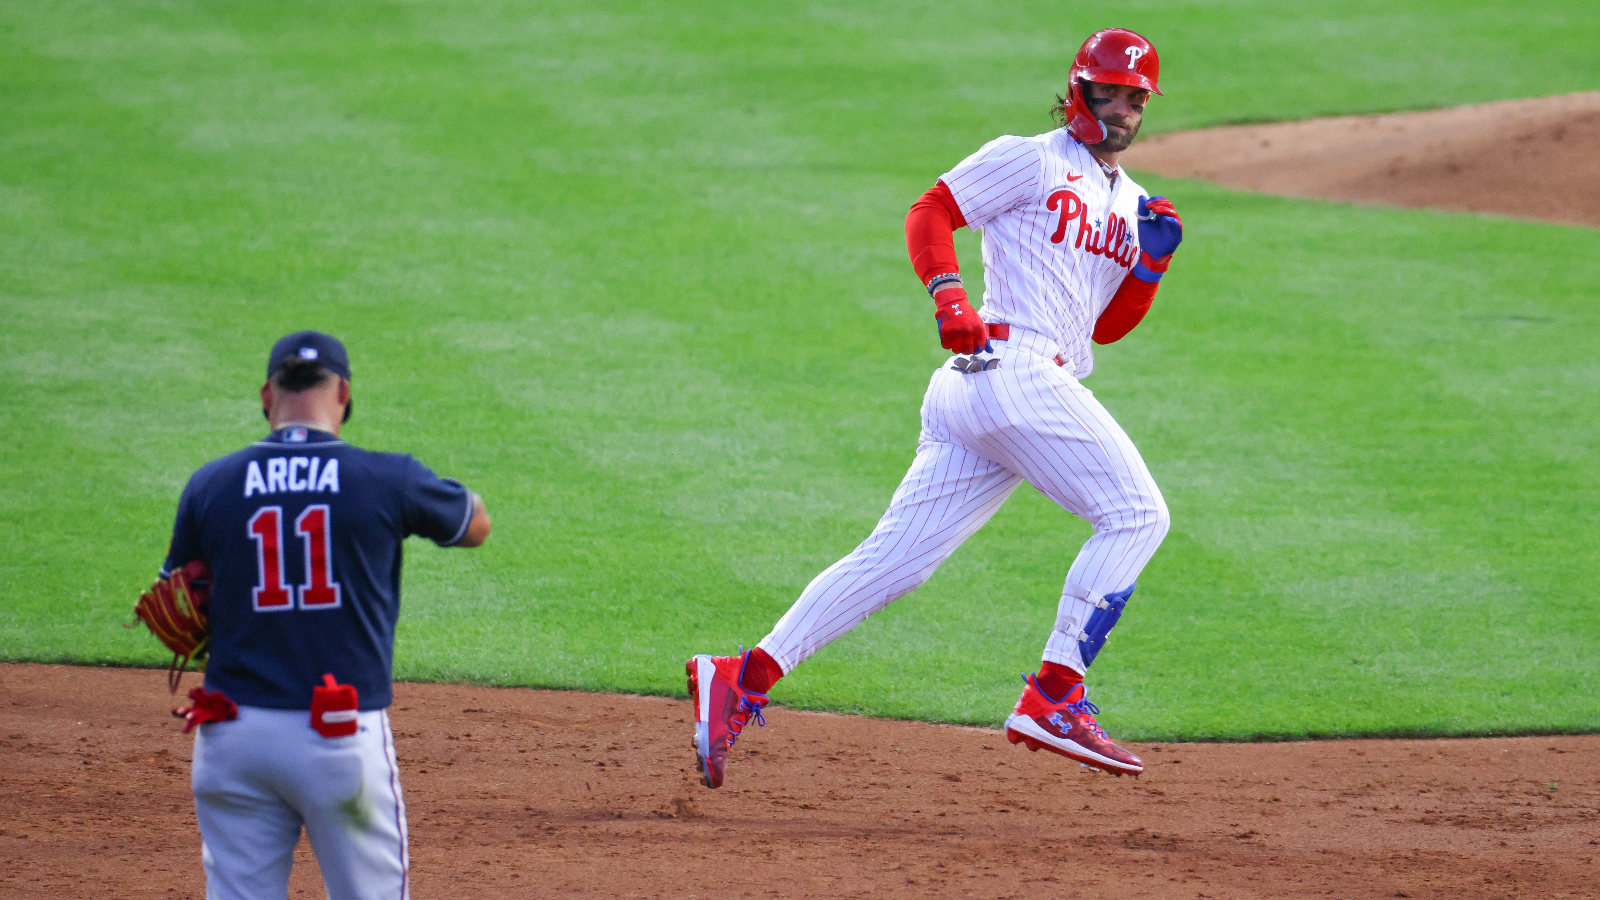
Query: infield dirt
[(523, 793), (1533, 159)]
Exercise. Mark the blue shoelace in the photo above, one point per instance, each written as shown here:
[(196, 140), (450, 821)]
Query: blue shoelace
[(754, 709), (1089, 710), (746, 705)]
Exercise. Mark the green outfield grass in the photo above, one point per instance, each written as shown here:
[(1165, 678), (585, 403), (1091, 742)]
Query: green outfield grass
[(638, 276)]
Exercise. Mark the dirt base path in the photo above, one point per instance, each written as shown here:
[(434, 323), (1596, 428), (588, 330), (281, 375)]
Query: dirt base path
[(1535, 159), (521, 793)]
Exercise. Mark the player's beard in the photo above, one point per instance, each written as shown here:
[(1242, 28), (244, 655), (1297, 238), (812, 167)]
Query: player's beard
[(1119, 140)]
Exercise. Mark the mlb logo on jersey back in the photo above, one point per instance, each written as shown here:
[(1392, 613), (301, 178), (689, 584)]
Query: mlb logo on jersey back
[(292, 475), (295, 435)]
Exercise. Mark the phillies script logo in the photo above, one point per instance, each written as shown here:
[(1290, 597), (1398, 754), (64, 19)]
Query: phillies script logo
[(1113, 244)]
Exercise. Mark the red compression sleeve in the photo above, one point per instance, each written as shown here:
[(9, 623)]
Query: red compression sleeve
[(929, 226), (1057, 680), (1126, 309), (761, 672)]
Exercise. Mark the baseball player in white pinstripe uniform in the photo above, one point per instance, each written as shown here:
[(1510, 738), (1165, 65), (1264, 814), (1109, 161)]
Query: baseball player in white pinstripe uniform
[(1073, 250)]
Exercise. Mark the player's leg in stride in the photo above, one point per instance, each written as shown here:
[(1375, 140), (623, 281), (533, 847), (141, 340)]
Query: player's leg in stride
[(947, 494), (1067, 726)]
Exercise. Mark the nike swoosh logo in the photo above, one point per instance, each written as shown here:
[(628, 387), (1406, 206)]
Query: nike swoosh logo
[(1073, 177)]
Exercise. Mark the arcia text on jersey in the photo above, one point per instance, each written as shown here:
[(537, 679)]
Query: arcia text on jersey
[(293, 475)]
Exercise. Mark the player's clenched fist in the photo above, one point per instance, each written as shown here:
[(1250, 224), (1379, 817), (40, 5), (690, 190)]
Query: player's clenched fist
[(960, 329), (1160, 233)]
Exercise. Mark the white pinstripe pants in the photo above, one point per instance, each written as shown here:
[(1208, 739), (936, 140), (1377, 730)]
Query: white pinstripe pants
[(982, 435)]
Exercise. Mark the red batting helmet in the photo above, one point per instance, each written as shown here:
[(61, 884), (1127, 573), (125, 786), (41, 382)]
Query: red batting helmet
[(1110, 56)]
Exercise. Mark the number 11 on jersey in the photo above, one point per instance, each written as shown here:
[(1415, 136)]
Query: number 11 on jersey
[(314, 527)]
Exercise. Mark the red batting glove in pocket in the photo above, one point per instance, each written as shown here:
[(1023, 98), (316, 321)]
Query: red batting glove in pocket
[(333, 708), (206, 707), (960, 329)]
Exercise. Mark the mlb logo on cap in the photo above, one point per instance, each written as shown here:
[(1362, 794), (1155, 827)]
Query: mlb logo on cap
[(310, 346)]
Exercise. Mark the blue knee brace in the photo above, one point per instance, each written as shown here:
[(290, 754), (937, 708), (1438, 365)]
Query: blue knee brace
[(1092, 636)]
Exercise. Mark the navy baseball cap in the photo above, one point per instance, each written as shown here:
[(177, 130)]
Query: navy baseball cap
[(311, 346)]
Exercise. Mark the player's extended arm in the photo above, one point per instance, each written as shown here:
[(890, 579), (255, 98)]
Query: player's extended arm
[(1160, 232), (929, 226), (478, 528)]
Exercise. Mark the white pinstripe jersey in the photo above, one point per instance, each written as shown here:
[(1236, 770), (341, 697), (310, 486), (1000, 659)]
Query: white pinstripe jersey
[(1058, 235)]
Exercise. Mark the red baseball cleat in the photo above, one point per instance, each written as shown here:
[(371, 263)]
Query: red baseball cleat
[(721, 710), (1067, 727)]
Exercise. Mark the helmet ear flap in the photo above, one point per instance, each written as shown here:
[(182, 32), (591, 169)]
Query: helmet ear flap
[(1084, 125)]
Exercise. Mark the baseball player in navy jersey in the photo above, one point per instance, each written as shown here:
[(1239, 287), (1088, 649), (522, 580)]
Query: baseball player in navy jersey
[(302, 535), (1072, 251)]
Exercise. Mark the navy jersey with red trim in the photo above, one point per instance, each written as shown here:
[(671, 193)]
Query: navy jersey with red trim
[(302, 533)]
